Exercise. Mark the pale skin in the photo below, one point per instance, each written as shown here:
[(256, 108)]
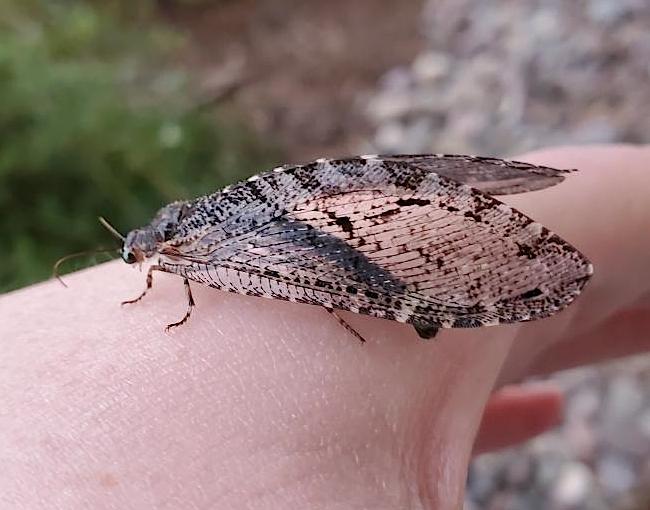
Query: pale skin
[(258, 404)]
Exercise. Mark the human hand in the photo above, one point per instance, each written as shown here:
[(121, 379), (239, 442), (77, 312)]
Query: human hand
[(265, 404)]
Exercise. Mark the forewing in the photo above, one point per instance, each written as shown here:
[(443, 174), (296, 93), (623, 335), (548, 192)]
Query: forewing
[(388, 238), (491, 175)]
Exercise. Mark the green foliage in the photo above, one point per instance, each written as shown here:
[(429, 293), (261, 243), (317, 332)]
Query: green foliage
[(94, 122)]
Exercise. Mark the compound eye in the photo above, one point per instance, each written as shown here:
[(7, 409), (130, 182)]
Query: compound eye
[(129, 257)]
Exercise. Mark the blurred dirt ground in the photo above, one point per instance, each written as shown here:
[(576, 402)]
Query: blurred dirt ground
[(297, 69)]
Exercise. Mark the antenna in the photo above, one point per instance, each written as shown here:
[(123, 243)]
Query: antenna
[(57, 265), (111, 228)]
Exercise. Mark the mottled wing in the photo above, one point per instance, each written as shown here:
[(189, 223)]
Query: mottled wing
[(491, 175), (391, 238)]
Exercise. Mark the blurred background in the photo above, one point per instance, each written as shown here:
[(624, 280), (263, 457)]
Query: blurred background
[(115, 107)]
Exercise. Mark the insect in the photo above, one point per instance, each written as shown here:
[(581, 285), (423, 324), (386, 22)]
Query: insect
[(415, 239)]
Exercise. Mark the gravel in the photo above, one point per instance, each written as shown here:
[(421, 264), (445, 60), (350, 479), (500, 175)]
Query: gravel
[(505, 76), (598, 458)]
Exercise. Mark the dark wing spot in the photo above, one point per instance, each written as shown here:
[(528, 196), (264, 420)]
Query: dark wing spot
[(345, 223), (342, 221), (531, 294), (473, 215), (526, 251), (403, 202)]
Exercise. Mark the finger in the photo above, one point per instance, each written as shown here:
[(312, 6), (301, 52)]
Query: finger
[(517, 413), (622, 334)]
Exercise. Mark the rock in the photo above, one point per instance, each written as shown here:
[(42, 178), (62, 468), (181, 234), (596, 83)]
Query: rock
[(616, 474), (608, 12), (505, 500), (572, 486), (644, 424), (431, 67), (581, 439), (519, 471), (585, 404)]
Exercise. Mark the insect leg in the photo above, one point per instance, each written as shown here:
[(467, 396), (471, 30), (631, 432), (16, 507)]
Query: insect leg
[(190, 306), (346, 325), (149, 283)]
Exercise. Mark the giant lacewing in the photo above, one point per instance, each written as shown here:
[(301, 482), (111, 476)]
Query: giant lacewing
[(419, 239)]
